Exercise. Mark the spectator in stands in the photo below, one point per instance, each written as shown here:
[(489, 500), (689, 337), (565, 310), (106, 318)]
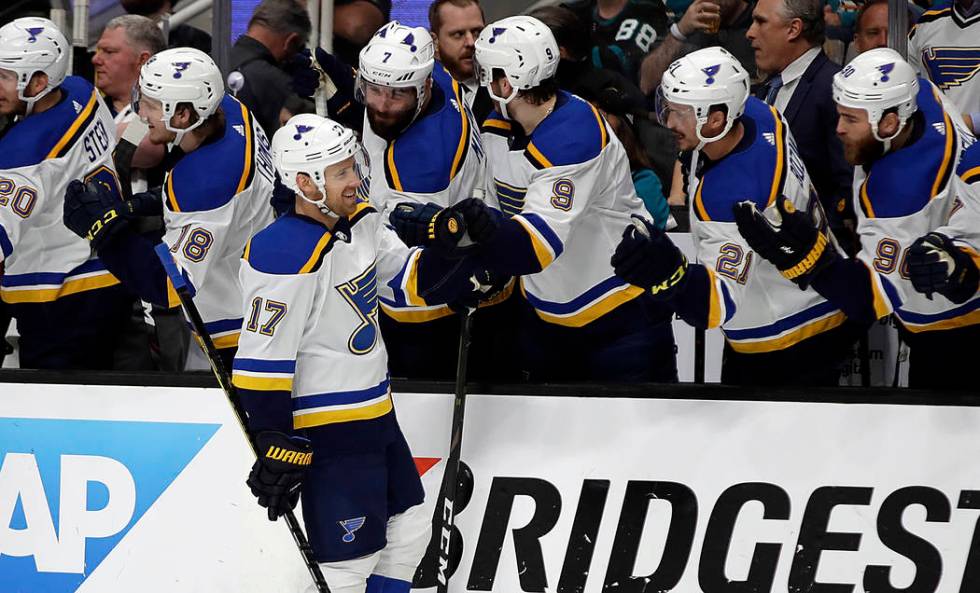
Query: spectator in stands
[(354, 22), (729, 19), (787, 36), (181, 35), (944, 47), (622, 31), (277, 32), (646, 182), (609, 90), (455, 25), (871, 27)]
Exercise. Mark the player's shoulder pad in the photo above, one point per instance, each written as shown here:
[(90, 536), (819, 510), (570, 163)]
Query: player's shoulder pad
[(431, 152), (214, 173), (497, 124), (52, 133), (969, 168), (755, 170), (291, 245), (902, 182), (573, 133)]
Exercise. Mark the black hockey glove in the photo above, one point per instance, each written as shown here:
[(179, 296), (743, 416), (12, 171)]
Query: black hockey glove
[(428, 225), (647, 258), (92, 211), (146, 203), (936, 264), (486, 285), (305, 78), (798, 249), (481, 222), (278, 473)]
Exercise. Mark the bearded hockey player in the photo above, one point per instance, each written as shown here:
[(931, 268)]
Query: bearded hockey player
[(908, 145), (70, 310), (216, 193)]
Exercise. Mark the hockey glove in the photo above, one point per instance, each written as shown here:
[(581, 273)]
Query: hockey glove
[(481, 221), (796, 246), (486, 285), (305, 78), (936, 264), (278, 473), (428, 225), (647, 258), (93, 212)]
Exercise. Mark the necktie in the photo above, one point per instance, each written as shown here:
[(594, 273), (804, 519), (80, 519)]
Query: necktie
[(773, 85)]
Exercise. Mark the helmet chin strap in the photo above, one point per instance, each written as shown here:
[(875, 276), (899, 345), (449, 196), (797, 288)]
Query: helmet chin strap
[(887, 142), (30, 101), (321, 204), (502, 100)]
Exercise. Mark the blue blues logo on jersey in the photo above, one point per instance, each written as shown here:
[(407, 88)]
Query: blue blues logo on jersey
[(34, 32), (511, 198), (710, 72), (885, 69), (950, 67), (350, 526), (300, 130), (362, 295), (180, 67)]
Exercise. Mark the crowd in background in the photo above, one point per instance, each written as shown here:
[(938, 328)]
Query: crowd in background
[(614, 54)]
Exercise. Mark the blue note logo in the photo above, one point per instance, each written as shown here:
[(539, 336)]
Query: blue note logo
[(300, 130), (885, 70), (950, 67), (361, 294), (710, 72), (410, 42), (70, 491), (180, 67), (496, 32), (34, 32), (350, 526)]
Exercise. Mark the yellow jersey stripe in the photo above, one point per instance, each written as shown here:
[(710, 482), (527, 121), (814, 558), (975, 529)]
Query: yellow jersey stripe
[(396, 181), (971, 175), (534, 152), (541, 249), (971, 318), (412, 282), (780, 158), (226, 341), (464, 134), (592, 312), (496, 123), (348, 415), (317, 251), (943, 172), (699, 204), (868, 210), (415, 315), (171, 198), (246, 170), (602, 126), (47, 295), (792, 338), (82, 117), (172, 299), (262, 383)]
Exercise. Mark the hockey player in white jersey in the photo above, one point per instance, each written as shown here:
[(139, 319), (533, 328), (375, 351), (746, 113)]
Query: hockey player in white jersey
[(311, 366), (216, 193), (70, 310), (944, 46), (563, 182), (908, 145), (425, 149), (775, 333)]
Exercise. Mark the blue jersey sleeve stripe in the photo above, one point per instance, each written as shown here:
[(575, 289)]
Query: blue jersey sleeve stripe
[(5, 245), (578, 302), (264, 366), (549, 235), (339, 398), (783, 325), (223, 325)]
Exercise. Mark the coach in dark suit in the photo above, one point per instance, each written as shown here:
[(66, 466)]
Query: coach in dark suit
[(786, 36)]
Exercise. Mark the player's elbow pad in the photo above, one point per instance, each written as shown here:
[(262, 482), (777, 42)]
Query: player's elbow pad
[(131, 259), (511, 251)]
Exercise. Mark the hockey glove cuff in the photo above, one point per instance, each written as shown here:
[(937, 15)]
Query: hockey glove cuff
[(481, 221), (278, 473), (936, 264), (798, 249), (93, 212), (428, 225), (647, 258)]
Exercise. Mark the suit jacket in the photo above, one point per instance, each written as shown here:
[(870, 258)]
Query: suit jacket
[(812, 117)]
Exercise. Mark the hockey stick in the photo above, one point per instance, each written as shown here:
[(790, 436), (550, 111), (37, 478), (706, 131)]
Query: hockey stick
[(444, 516), (224, 380)]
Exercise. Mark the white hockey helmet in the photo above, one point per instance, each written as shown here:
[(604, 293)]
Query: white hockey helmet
[(876, 81), (31, 45), (182, 75), (308, 144), (397, 57), (523, 48), (703, 79)]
